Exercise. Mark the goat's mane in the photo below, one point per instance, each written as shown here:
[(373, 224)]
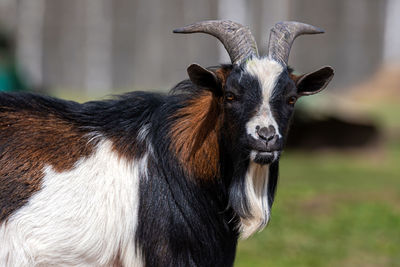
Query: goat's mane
[(195, 134)]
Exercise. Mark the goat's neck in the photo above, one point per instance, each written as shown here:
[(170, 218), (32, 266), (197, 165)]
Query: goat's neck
[(195, 133)]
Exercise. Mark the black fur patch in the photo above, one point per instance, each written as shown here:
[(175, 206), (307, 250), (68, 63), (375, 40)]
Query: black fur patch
[(282, 111)]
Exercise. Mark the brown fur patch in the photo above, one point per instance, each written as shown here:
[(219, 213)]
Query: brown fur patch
[(222, 75), (129, 147), (295, 78), (29, 142), (195, 135)]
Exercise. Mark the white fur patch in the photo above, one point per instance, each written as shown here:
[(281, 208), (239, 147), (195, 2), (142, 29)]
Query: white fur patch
[(82, 217), (142, 136), (267, 72), (257, 197), (143, 132)]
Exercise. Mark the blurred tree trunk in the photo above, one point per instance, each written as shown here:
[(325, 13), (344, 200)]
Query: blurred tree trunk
[(29, 37), (98, 46), (391, 52), (234, 10), (8, 15)]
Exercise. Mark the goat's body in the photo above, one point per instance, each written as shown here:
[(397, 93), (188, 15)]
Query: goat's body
[(149, 179), (94, 184)]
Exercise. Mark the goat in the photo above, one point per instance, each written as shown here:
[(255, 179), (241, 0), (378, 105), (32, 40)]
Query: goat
[(147, 179)]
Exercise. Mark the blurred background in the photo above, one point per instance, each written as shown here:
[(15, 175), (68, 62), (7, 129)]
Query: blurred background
[(338, 202)]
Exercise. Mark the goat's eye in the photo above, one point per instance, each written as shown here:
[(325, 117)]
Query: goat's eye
[(230, 97), (292, 100)]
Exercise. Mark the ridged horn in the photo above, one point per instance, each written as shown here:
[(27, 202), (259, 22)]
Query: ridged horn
[(282, 36), (236, 38)]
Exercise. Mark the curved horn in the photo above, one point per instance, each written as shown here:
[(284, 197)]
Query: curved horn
[(282, 36), (237, 39)]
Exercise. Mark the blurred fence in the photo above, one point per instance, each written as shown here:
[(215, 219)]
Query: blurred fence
[(101, 45)]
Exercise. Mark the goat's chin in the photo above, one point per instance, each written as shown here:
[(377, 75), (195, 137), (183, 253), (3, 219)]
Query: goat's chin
[(263, 158)]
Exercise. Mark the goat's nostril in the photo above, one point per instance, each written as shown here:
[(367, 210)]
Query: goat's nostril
[(265, 133), (272, 129)]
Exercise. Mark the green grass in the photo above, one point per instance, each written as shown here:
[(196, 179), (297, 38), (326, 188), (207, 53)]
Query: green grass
[(332, 209)]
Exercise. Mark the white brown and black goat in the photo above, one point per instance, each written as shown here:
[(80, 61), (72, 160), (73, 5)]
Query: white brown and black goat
[(150, 179)]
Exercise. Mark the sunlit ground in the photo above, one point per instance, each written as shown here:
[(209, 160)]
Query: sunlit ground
[(335, 209)]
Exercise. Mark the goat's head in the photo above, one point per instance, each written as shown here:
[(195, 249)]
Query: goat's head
[(258, 93)]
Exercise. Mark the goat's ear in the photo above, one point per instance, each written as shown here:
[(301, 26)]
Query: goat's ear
[(204, 78), (313, 82)]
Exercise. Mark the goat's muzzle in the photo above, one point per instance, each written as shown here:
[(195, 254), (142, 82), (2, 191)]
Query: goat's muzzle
[(267, 147)]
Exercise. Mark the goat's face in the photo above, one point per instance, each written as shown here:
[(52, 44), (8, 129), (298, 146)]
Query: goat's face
[(259, 93), (258, 99)]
